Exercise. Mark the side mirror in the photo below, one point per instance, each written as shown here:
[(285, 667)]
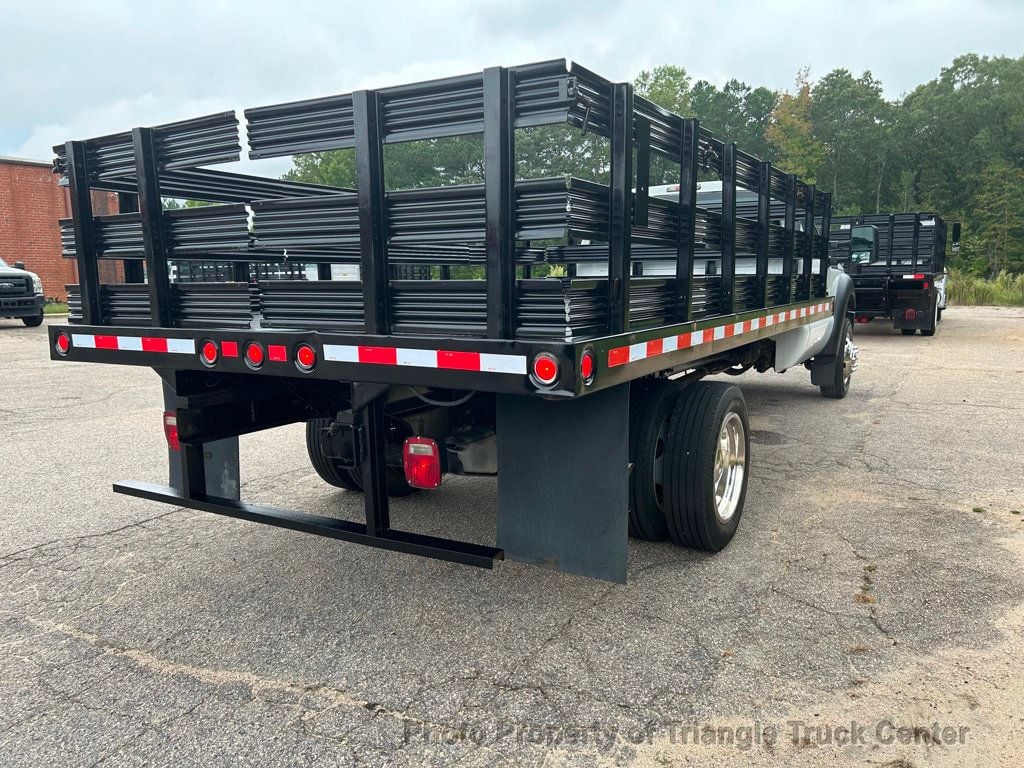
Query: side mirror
[(19, 265)]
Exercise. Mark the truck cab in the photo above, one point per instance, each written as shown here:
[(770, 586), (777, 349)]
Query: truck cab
[(21, 294)]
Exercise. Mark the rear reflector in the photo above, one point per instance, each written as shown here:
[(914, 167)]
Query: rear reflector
[(305, 357), (545, 369), (62, 343), (253, 355), (171, 430), (208, 353), (910, 314), (587, 366), (421, 459)]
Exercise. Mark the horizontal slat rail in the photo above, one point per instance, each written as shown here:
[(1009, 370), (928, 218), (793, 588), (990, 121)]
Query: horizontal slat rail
[(184, 144)]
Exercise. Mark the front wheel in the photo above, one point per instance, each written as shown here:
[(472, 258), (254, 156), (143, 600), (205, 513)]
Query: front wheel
[(33, 321), (840, 385), (707, 451), (908, 331)]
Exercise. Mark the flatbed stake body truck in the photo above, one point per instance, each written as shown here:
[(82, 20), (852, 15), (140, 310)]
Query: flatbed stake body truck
[(898, 265), (587, 397)]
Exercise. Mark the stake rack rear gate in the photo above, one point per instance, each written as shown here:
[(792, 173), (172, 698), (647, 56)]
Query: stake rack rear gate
[(378, 332)]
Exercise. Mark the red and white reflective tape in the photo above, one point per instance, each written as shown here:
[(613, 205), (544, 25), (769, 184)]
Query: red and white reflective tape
[(676, 342), (484, 362), (134, 343)]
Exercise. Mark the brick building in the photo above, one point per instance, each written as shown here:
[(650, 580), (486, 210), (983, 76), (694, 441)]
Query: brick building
[(31, 203)]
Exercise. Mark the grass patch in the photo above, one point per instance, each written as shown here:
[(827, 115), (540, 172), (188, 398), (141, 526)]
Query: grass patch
[(978, 509), (56, 308), (1004, 290)]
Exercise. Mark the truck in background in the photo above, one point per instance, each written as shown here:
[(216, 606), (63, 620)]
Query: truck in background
[(21, 294), (898, 265)]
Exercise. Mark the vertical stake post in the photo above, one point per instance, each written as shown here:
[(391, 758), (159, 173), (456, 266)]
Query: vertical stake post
[(729, 229), (151, 212), (85, 242), (372, 202), (499, 198), (686, 226), (620, 207)]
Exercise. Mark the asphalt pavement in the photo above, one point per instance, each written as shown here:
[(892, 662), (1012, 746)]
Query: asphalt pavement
[(870, 610)]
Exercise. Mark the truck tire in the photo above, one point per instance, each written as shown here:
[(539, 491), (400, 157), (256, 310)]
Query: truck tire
[(840, 386), (333, 472), (33, 321), (707, 465), (908, 331), (648, 430), (329, 469)]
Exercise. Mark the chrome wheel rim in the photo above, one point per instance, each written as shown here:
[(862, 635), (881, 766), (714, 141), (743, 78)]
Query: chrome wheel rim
[(730, 466), (849, 358)]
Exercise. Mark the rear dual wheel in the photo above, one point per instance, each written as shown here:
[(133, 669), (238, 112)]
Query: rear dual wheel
[(332, 471), (690, 450)]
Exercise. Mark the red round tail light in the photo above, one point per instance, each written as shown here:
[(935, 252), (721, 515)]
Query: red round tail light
[(254, 354), (208, 353), (62, 343), (545, 369), (305, 357), (587, 366)]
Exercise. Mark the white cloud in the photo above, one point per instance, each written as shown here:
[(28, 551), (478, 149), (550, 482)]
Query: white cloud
[(116, 65)]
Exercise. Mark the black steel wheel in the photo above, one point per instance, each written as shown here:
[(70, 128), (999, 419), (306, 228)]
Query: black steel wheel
[(707, 465), (648, 431), (908, 331), (33, 321)]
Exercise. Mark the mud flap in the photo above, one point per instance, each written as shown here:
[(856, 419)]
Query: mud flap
[(563, 482), (220, 459)]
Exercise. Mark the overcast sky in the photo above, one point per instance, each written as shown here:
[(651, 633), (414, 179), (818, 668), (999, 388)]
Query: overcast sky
[(74, 70)]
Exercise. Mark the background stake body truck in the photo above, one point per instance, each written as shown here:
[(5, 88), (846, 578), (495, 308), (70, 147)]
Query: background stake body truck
[(584, 395), (898, 265)]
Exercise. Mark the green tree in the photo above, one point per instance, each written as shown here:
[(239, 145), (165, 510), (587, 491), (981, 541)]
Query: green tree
[(667, 86), (851, 120), (998, 217), (791, 133), (736, 112)]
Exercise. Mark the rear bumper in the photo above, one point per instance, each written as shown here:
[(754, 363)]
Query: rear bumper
[(485, 365), (21, 306)]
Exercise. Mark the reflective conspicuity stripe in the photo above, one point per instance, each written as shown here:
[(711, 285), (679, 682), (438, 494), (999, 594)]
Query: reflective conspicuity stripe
[(134, 343), (647, 349), (426, 358)]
